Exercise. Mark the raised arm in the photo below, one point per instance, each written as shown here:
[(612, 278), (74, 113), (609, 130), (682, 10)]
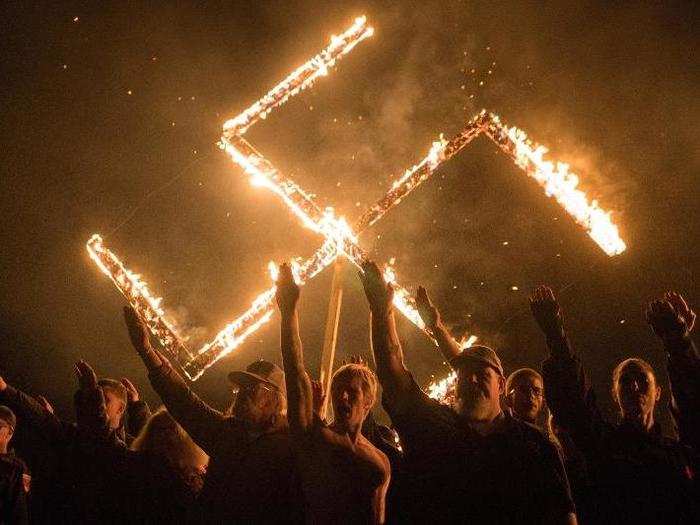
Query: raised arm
[(565, 385), (388, 354), (203, 423), (672, 321), (137, 410), (449, 348), (299, 391), (32, 415)]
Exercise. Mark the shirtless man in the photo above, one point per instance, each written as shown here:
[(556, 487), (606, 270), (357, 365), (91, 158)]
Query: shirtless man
[(345, 477)]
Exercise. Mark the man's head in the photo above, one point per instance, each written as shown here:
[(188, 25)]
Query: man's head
[(480, 383), (260, 395), (115, 401), (353, 393), (525, 394), (635, 390), (8, 422)]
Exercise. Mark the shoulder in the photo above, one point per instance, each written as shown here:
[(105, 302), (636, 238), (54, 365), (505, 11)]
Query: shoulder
[(11, 465), (530, 435)]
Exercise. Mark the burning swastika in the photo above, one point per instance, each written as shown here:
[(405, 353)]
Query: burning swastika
[(339, 237)]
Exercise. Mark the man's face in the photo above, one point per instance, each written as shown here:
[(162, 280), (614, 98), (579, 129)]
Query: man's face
[(5, 433), (526, 397), (350, 404), (479, 388), (637, 392), (254, 404), (114, 407)]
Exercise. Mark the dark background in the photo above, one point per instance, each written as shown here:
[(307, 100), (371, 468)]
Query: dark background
[(110, 115)]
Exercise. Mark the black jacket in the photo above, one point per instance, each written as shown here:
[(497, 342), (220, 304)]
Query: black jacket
[(13, 500), (250, 479), (634, 476)]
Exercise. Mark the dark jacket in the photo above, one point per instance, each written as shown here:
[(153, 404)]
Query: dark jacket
[(455, 475), (13, 500), (148, 487), (635, 476), (65, 480), (250, 479)]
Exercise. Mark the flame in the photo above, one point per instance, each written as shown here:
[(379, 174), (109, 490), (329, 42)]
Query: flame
[(558, 182), (339, 237), (137, 293), (301, 78)]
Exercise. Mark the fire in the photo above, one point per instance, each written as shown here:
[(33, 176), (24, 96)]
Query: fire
[(136, 292), (339, 237), (301, 78), (559, 183)]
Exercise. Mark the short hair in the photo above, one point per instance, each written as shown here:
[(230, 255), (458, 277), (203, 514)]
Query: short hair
[(617, 372), (7, 415), (352, 370), (114, 386), (520, 374)]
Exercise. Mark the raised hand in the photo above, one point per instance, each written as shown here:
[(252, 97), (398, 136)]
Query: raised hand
[(287, 295), (138, 333), (427, 310), (379, 293), (87, 380), (319, 396), (670, 317), (45, 404), (681, 307), (132, 395), (546, 311)]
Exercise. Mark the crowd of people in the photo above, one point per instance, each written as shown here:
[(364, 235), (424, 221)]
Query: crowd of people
[(531, 447)]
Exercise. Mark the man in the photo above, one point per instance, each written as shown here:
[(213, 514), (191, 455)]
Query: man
[(251, 476), (472, 463), (525, 394), (524, 390), (13, 502), (345, 477), (65, 483), (637, 475)]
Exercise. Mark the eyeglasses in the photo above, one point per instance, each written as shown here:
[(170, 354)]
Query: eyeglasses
[(529, 390)]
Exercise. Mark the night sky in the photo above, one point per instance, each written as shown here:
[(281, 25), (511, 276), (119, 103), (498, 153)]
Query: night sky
[(110, 118)]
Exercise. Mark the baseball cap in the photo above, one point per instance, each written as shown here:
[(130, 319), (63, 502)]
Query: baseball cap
[(478, 354), (8, 416), (260, 371)]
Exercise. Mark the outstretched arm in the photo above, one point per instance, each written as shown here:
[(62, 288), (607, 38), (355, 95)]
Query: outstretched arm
[(386, 346), (672, 321), (565, 383), (449, 348), (299, 391), (200, 421)]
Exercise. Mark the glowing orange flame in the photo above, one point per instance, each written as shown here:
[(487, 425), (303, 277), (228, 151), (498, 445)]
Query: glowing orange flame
[(136, 292), (301, 78), (559, 183), (340, 239)]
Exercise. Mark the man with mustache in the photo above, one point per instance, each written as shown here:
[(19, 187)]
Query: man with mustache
[(472, 463)]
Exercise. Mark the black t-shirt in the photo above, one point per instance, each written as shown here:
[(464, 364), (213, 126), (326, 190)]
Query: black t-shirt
[(512, 475)]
